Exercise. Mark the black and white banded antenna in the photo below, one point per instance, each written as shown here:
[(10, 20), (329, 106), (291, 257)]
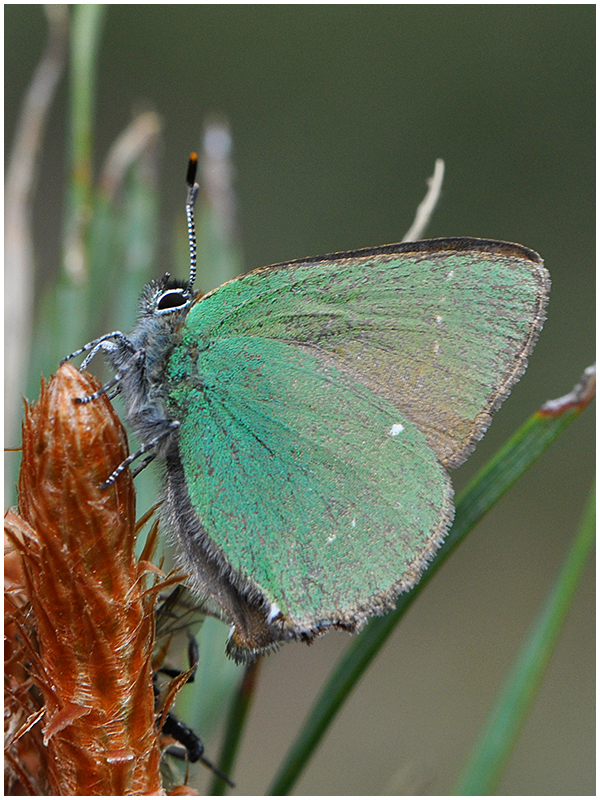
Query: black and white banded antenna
[(192, 194)]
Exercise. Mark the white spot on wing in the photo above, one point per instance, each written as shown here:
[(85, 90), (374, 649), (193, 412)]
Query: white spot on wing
[(353, 523), (331, 538), (396, 429), (450, 275)]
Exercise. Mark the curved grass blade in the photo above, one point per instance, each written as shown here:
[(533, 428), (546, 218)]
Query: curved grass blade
[(498, 737), (486, 488)]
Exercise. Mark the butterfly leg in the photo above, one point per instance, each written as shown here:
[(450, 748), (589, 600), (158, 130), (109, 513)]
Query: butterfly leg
[(102, 343), (133, 361), (141, 467), (168, 426), (171, 426)]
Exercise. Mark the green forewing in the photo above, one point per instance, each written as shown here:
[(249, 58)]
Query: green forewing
[(318, 401), (438, 334)]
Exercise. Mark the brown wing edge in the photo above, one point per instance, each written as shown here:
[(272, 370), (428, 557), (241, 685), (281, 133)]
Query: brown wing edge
[(452, 244)]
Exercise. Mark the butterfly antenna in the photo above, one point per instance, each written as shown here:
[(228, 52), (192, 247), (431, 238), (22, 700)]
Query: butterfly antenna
[(192, 194)]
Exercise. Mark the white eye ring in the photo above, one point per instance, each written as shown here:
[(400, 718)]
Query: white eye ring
[(176, 299)]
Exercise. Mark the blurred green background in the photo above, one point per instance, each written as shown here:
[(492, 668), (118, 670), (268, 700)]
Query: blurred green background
[(338, 114)]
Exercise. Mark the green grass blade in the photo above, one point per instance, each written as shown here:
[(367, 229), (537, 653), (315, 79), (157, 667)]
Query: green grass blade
[(86, 28), (511, 461), (73, 289), (500, 732), (61, 326)]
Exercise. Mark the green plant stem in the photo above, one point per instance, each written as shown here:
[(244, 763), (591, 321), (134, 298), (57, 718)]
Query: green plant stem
[(85, 40), (498, 737)]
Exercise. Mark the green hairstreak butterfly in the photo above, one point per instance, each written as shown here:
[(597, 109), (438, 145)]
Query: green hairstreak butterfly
[(307, 414)]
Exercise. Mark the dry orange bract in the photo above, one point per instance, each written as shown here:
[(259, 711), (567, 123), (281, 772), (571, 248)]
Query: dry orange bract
[(94, 622)]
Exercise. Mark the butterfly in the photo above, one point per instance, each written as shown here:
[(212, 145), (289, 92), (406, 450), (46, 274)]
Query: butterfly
[(307, 414)]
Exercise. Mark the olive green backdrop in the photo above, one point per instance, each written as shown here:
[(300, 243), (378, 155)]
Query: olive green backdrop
[(338, 114)]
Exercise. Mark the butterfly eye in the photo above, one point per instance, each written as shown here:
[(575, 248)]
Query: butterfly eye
[(172, 299)]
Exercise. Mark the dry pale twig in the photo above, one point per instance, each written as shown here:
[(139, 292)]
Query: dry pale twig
[(427, 205)]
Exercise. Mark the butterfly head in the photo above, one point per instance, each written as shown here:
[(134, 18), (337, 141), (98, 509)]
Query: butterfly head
[(165, 296)]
